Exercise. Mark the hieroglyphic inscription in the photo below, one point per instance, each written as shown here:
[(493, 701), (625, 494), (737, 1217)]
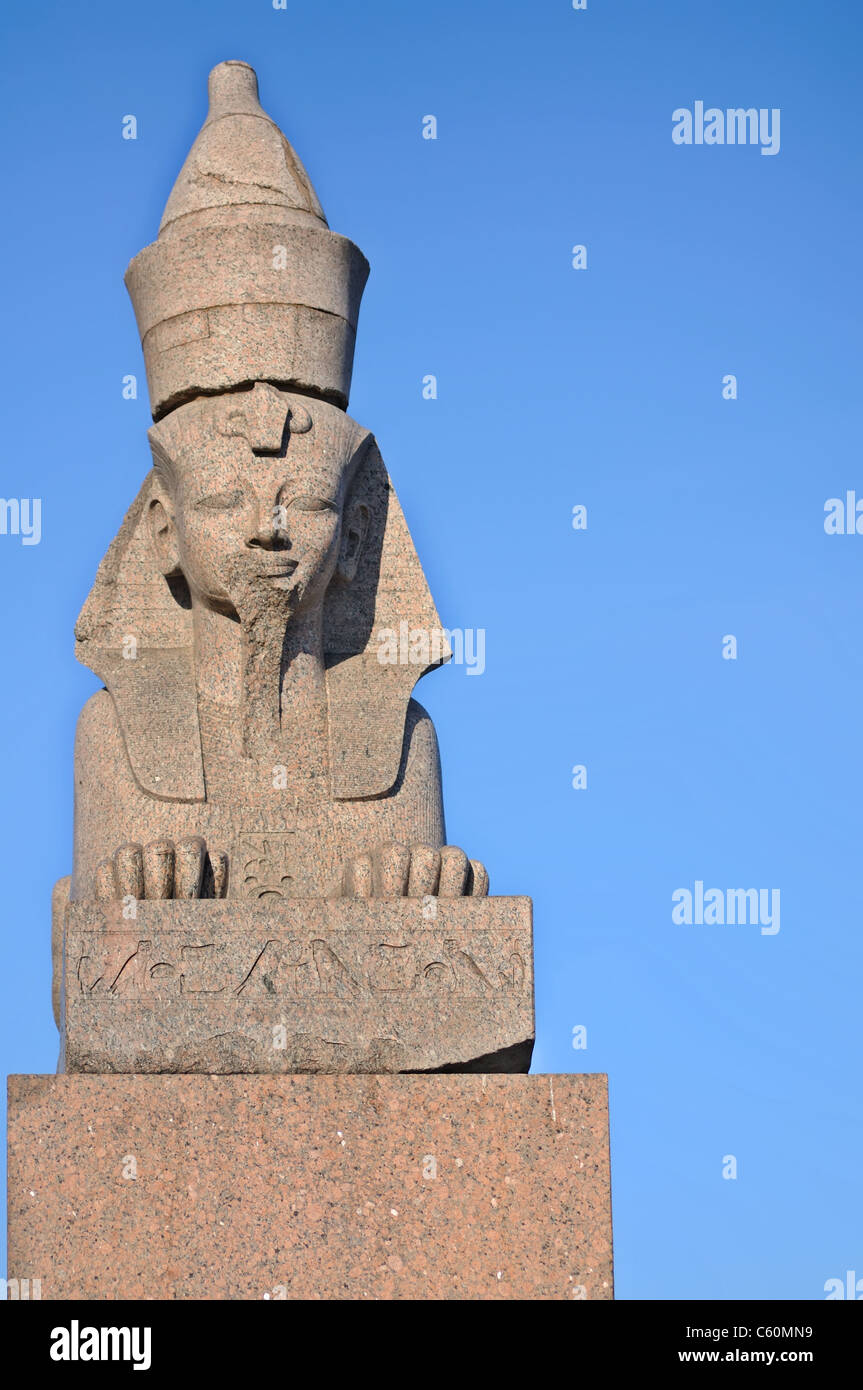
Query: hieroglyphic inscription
[(175, 963)]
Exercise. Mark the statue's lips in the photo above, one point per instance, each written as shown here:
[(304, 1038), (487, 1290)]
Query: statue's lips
[(281, 569)]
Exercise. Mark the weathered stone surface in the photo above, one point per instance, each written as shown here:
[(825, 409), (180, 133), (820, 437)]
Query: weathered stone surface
[(323, 1187), (305, 986)]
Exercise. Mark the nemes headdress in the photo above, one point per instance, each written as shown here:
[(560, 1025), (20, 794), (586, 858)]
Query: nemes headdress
[(247, 297)]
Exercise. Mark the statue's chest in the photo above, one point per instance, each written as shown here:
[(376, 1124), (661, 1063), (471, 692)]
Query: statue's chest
[(277, 846)]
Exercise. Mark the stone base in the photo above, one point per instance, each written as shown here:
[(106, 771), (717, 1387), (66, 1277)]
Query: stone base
[(304, 1187)]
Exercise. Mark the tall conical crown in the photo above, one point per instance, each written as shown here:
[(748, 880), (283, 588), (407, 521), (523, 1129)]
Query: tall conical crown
[(245, 282)]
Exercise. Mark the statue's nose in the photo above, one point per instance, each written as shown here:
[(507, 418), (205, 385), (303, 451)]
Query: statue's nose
[(271, 529)]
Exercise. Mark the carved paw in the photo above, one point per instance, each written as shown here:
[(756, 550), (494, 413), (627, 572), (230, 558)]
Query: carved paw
[(418, 871), (163, 869)]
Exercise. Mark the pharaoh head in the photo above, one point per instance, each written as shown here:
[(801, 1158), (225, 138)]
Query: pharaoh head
[(253, 505)]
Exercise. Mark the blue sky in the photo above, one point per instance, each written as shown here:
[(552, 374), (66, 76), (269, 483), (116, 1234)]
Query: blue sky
[(556, 387)]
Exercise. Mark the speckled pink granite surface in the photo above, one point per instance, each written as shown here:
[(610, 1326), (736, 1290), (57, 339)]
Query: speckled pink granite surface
[(310, 1187)]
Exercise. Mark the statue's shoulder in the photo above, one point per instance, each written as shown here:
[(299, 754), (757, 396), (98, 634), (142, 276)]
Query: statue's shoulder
[(98, 727), (419, 719), (420, 745)]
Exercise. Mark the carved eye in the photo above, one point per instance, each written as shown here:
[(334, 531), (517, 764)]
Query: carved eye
[(220, 501), (312, 504)]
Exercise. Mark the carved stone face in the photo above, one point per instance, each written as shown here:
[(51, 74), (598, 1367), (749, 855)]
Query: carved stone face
[(268, 532), (254, 530)]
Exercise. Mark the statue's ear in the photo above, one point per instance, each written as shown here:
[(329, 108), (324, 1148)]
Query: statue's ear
[(163, 533), (355, 524)]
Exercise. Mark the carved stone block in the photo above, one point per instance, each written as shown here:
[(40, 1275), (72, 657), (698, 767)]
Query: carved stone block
[(299, 986)]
